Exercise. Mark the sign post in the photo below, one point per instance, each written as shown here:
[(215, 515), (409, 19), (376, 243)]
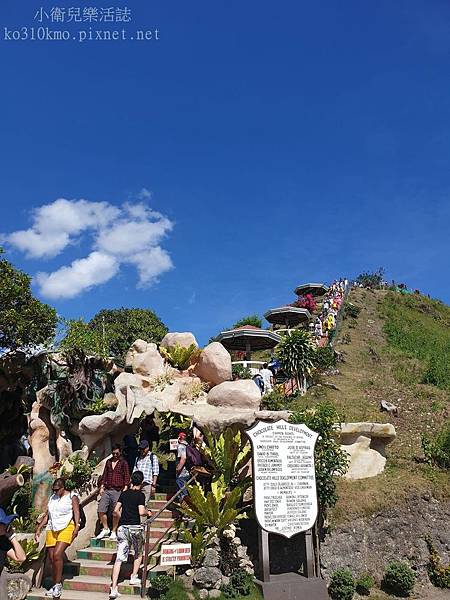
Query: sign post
[(284, 489)]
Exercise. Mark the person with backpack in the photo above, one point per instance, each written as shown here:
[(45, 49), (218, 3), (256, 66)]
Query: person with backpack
[(148, 464), (62, 519)]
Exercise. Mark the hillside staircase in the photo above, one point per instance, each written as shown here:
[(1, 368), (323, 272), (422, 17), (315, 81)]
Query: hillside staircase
[(89, 576)]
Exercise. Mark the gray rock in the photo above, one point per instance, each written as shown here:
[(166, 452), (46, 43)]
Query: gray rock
[(18, 586), (225, 580), (207, 577), (215, 593), (203, 594), (212, 558)]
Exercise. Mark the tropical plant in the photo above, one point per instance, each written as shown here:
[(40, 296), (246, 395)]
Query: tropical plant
[(373, 280), (20, 470), (228, 453), (24, 320), (437, 449), (213, 509), (399, 578), (179, 356), (32, 553), (241, 372), (297, 353), (253, 320), (80, 477), (342, 585), (74, 383), (438, 573), (199, 538), (330, 459)]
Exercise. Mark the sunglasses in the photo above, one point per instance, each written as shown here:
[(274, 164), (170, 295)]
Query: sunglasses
[(55, 490)]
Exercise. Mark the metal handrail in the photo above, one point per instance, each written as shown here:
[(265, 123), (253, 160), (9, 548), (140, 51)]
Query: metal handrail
[(148, 524)]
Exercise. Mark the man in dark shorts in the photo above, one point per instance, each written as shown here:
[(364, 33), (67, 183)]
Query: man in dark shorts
[(129, 509), (115, 479)]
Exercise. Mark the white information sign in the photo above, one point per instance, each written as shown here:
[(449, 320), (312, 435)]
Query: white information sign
[(173, 444), (284, 480), (175, 554)]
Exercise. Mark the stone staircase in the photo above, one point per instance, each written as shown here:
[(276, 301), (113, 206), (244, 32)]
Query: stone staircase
[(89, 577)]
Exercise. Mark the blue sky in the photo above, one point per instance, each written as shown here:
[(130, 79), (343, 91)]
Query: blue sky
[(275, 143)]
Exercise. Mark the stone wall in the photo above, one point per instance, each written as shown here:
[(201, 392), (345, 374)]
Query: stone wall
[(368, 544)]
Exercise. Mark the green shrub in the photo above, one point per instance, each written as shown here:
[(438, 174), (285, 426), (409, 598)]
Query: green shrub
[(81, 474), (240, 585), (364, 584), (159, 586), (437, 449), (342, 585), (253, 320), (350, 310), (438, 573), (242, 372), (371, 280), (274, 400), (399, 578), (325, 358), (330, 459)]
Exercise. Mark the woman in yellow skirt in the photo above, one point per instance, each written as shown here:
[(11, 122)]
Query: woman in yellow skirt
[(63, 524)]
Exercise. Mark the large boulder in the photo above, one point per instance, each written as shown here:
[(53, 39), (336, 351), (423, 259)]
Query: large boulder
[(139, 347), (242, 394), (175, 338), (214, 364), (366, 444), (149, 363)]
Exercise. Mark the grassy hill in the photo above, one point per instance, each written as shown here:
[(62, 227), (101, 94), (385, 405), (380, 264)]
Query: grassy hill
[(396, 349)]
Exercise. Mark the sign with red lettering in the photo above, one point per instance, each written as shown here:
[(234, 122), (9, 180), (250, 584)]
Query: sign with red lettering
[(175, 554)]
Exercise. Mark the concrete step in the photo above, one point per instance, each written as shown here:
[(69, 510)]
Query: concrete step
[(38, 594), (155, 534), (102, 554), (89, 583)]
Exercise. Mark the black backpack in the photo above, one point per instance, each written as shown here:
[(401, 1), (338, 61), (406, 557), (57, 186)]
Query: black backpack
[(194, 457)]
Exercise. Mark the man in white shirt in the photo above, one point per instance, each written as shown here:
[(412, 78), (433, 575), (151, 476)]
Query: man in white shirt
[(267, 376)]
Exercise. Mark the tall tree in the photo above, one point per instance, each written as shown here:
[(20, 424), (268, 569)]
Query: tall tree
[(112, 331), (24, 320)]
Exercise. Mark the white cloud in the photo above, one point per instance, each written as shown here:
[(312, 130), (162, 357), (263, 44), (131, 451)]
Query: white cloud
[(37, 245), (128, 237), (55, 223), (151, 264), (82, 274), (129, 234)]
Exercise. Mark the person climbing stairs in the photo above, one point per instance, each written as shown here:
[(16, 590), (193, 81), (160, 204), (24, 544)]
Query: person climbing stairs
[(89, 576)]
